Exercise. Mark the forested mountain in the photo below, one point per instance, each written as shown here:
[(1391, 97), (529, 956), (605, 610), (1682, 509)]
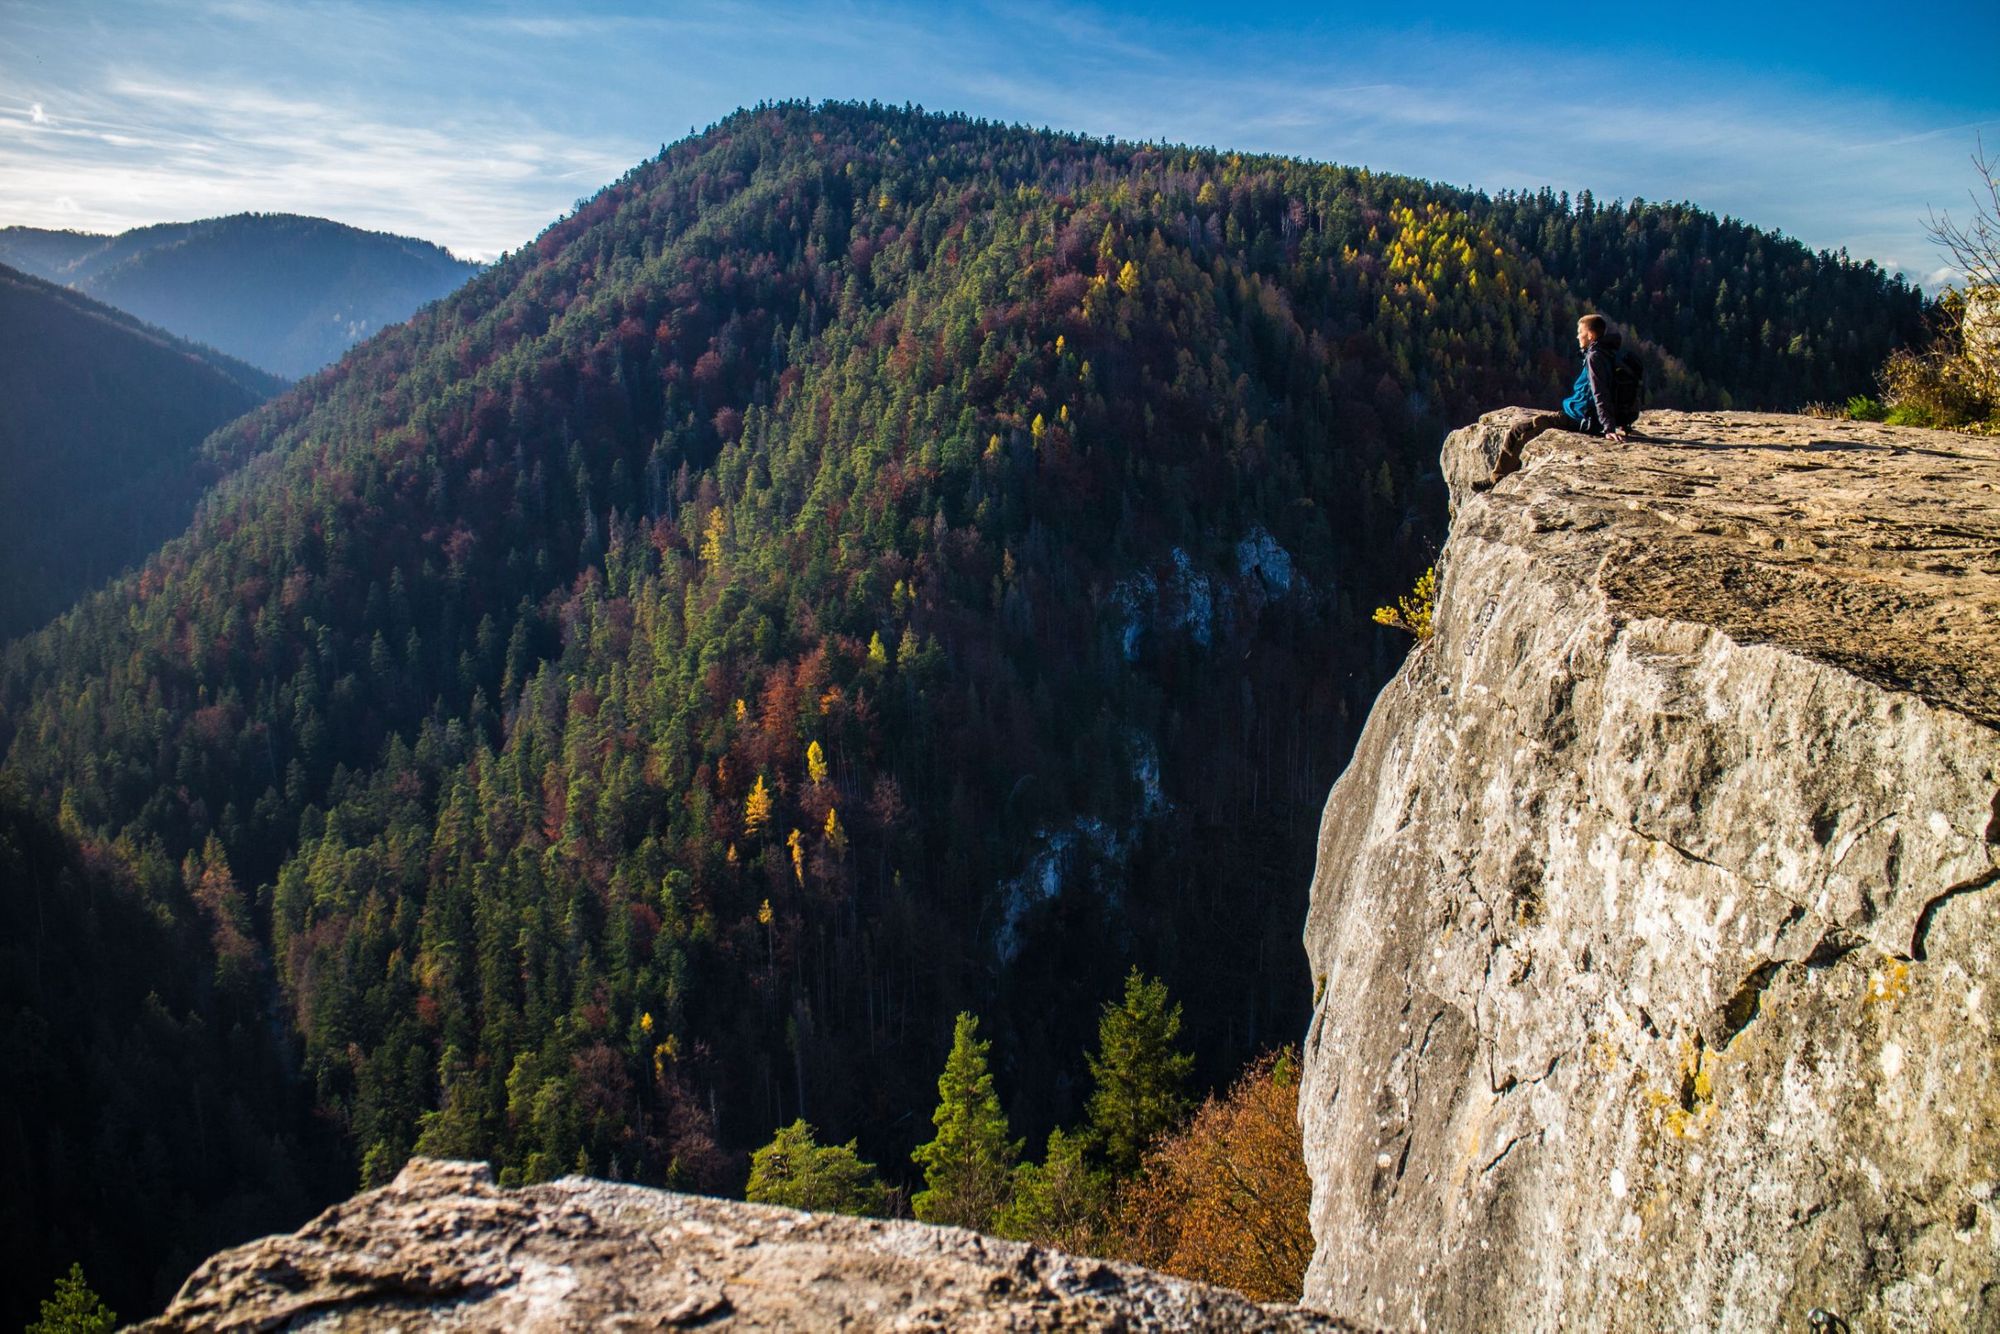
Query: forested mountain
[(1770, 323), (283, 292), (99, 443), (862, 565)]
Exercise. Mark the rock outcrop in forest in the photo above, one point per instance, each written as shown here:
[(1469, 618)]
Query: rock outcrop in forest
[(444, 1247), (1654, 926)]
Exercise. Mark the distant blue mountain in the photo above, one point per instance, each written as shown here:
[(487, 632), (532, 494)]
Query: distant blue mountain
[(287, 293)]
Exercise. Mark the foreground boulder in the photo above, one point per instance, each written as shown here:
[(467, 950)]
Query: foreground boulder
[(1654, 926), (442, 1247)]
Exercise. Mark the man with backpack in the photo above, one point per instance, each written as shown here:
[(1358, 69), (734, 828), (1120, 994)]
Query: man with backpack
[(1598, 403), (1604, 401)]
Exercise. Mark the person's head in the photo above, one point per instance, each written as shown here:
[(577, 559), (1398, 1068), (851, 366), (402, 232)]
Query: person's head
[(1589, 329)]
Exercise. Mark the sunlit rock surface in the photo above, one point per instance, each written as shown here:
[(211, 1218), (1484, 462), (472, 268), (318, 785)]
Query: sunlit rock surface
[(1655, 924), (442, 1247)]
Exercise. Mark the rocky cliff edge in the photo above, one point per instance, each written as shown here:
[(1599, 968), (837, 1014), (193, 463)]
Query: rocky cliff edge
[(442, 1247), (1654, 927)]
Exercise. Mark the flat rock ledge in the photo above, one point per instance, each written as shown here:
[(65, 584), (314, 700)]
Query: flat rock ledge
[(1655, 931), (443, 1247)]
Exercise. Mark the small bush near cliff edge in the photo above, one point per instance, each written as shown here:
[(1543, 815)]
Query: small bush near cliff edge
[(1412, 612)]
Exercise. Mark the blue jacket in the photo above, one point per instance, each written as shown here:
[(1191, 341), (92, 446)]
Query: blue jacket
[(1589, 398)]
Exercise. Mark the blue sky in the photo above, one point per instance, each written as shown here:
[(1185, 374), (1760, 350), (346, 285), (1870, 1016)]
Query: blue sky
[(475, 125)]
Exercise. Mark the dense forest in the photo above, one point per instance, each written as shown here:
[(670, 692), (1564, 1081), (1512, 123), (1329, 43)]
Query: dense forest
[(862, 566), (149, 1117), (100, 442), (287, 293)]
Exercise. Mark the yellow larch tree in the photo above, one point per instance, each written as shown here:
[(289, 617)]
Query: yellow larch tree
[(756, 808), (711, 542)]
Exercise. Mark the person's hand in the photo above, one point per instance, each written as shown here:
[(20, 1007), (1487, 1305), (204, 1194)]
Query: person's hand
[(1616, 437)]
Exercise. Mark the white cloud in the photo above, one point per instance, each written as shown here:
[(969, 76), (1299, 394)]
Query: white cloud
[(476, 129), (36, 114)]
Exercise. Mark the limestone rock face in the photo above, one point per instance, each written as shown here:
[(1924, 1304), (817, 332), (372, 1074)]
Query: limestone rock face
[(443, 1248), (1655, 926)]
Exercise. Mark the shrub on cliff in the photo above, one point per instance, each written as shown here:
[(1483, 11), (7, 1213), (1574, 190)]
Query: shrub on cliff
[(1954, 382), (1951, 384)]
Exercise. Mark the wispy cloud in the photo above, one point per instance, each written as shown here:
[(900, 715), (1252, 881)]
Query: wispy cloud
[(476, 127)]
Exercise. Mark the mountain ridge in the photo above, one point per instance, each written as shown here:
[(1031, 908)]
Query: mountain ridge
[(102, 441), (285, 291)]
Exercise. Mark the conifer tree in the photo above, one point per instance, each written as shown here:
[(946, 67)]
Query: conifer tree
[(74, 1309), (757, 808), (1062, 1201), (1140, 1074), (968, 1166), (798, 1172)]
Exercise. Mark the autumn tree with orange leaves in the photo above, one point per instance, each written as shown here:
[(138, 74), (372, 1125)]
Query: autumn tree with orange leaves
[(1225, 1200)]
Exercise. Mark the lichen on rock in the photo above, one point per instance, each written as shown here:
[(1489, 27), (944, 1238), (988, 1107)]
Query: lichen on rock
[(1654, 925)]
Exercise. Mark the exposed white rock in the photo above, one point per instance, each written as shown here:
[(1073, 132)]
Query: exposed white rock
[(1654, 925), (1260, 554)]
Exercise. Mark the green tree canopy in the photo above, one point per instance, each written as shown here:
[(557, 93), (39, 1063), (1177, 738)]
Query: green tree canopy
[(1062, 1201), (1141, 1076), (74, 1309), (968, 1166), (798, 1172)]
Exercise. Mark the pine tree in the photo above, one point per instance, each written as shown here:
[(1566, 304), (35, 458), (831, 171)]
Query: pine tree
[(796, 1171), (1063, 1201), (968, 1166), (1140, 1075), (74, 1309)]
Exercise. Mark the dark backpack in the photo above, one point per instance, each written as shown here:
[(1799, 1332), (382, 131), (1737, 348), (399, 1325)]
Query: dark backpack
[(1628, 388)]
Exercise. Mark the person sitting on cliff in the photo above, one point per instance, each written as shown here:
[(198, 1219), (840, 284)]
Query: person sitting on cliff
[(1590, 408)]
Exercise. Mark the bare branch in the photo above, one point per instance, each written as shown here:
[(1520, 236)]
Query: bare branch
[(1974, 248)]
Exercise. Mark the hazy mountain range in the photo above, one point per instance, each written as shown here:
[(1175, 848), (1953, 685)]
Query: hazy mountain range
[(289, 294)]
